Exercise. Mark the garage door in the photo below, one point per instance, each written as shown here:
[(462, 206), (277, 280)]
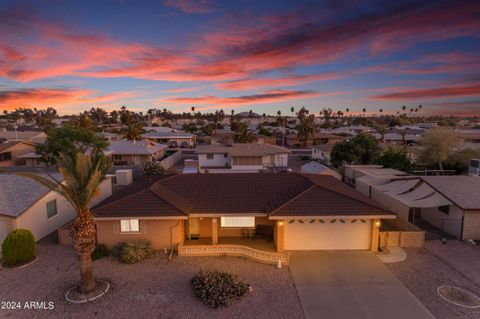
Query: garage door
[(350, 235)]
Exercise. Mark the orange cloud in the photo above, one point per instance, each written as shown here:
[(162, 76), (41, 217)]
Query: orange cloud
[(253, 83), (270, 96)]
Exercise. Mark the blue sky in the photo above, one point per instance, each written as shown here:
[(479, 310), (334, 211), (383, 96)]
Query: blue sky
[(242, 55)]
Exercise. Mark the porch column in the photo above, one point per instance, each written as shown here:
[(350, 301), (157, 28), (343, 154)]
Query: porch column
[(214, 231), (280, 235), (375, 234)]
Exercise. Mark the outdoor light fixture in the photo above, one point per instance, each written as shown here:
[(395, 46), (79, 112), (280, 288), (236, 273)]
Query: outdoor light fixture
[(280, 223), (378, 224)]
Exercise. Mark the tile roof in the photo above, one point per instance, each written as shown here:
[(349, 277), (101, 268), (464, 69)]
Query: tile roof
[(241, 193), (5, 146), (124, 147), (464, 191)]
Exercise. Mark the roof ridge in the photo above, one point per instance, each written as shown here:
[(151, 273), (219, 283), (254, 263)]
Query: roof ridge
[(441, 193), (370, 201), (293, 198)]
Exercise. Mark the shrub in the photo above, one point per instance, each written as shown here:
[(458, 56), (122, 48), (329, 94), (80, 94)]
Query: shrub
[(117, 249), (305, 158), (99, 252), (153, 168), (134, 251), (217, 288), (18, 247)]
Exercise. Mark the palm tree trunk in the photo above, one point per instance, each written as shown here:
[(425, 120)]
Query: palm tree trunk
[(83, 235)]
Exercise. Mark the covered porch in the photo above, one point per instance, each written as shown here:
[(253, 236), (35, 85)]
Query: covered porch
[(255, 243)]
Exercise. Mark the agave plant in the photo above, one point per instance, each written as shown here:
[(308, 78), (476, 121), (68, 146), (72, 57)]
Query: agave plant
[(82, 175)]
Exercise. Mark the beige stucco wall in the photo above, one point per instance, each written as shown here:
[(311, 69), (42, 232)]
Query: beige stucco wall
[(7, 224), (451, 223), (158, 232), (35, 217), (17, 150), (471, 225)]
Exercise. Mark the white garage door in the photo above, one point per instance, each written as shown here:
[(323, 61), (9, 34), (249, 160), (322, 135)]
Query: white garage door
[(327, 235)]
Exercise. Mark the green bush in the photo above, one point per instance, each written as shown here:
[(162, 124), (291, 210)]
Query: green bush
[(18, 247), (134, 251), (217, 288), (99, 252), (117, 249)]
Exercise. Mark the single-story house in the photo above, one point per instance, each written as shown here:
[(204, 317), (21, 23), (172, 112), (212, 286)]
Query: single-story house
[(449, 203), (241, 157), (125, 152), (26, 136), (26, 204), (172, 139), (318, 138), (302, 212), (11, 152), (318, 168), (322, 152)]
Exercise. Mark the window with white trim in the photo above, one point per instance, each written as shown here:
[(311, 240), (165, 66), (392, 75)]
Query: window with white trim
[(238, 222), (51, 208), (129, 226)]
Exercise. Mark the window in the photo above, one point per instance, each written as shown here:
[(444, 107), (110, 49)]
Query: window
[(209, 156), (129, 226), (225, 155), (444, 209), (238, 222), (247, 160), (51, 208)]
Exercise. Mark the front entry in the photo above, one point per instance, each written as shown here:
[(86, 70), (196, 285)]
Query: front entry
[(194, 227)]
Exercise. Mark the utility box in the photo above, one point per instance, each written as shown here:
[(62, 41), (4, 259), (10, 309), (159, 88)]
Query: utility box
[(123, 177)]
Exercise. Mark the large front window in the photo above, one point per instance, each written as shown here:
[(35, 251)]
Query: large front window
[(129, 226), (238, 222), (247, 160)]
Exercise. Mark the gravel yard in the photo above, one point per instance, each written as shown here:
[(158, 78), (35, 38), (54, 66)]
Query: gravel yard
[(154, 288), (423, 272)]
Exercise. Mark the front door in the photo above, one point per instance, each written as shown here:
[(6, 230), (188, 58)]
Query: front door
[(194, 224)]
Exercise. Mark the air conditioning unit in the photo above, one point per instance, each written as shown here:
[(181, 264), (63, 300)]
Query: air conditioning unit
[(474, 167)]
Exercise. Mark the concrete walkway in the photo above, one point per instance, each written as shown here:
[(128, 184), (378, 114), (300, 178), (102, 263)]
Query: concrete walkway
[(341, 284)]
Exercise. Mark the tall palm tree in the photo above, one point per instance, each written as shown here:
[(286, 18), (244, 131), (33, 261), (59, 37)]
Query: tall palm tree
[(133, 131), (82, 175), (292, 109), (83, 120), (306, 129)]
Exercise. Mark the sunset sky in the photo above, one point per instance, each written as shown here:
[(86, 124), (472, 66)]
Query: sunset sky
[(260, 55)]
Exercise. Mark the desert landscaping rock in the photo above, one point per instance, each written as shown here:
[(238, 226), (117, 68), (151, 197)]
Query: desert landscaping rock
[(153, 288)]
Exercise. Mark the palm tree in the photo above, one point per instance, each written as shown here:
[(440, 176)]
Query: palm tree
[(292, 109), (404, 108), (381, 111), (193, 109), (83, 120), (306, 129), (133, 132), (82, 175)]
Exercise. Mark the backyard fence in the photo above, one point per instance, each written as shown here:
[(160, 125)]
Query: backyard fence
[(171, 160), (404, 235)]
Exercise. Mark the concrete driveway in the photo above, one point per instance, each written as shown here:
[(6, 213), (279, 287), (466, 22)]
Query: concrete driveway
[(351, 284)]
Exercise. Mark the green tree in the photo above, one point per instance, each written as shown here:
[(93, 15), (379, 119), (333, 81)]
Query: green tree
[(306, 129), (396, 159), (361, 150), (69, 140), (460, 160), (134, 131), (82, 175), (437, 145)]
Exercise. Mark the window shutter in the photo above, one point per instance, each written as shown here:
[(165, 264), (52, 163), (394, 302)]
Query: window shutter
[(116, 226)]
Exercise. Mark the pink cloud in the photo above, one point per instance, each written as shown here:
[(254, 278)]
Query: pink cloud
[(435, 93), (253, 83), (190, 6)]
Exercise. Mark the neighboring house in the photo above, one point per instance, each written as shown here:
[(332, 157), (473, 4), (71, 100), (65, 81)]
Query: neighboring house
[(172, 139), (159, 129), (318, 138), (32, 159), (25, 136), (377, 172), (450, 203), (26, 204), (238, 157), (11, 153), (303, 212), (317, 168), (322, 152), (129, 153), (108, 136)]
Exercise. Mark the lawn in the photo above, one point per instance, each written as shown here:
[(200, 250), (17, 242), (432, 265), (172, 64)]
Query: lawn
[(154, 288)]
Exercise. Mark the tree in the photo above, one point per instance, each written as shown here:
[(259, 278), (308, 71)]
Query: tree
[(69, 140), (460, 160), (244, 135), (306, 128), (133, 131), (190, 127), (437, 145), (396, 159), (82, 175), (361, 150), (83, 120)]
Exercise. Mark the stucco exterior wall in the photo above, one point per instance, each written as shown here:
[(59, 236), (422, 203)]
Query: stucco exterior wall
[(17, 150), (159, 232), (451, 223), (7, 225), (218, 160), (35, 217), (471, 225)]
